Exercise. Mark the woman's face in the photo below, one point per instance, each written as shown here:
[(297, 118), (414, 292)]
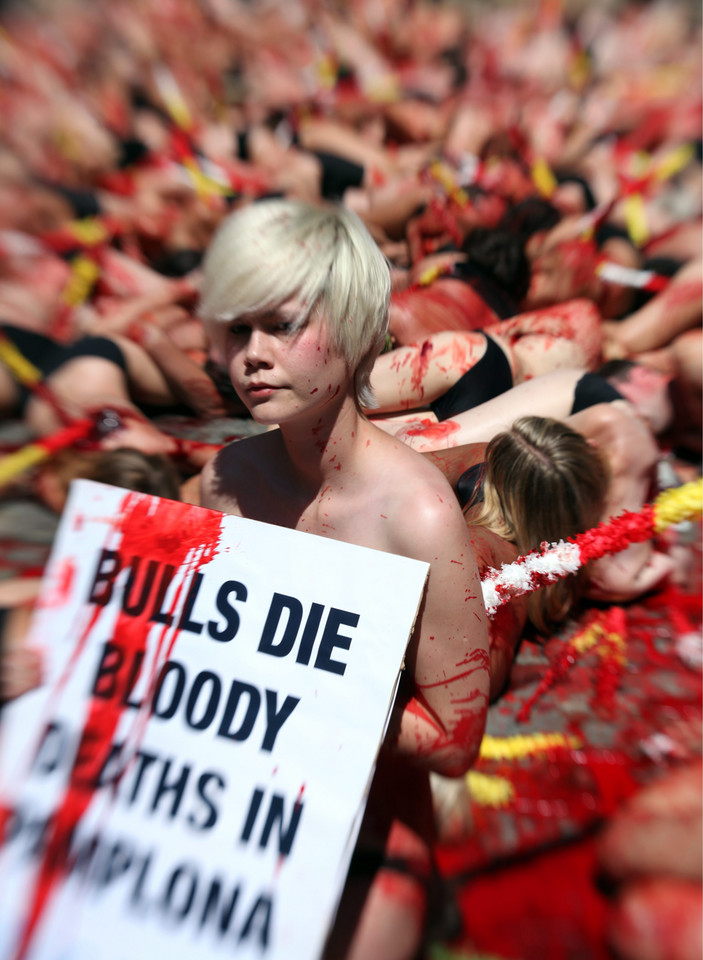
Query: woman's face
[(282, 373)]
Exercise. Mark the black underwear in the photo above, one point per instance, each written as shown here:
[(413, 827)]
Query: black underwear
[(469, 488), (592, 389), (338, 174), (47, 355), (487, 379), (84, 203)]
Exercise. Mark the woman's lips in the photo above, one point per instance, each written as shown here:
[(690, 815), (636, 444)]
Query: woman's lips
[(261, 389)]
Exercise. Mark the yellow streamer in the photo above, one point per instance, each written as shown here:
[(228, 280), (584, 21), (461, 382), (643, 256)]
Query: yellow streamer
[(429, 276), (205, 186), (677, 504), (18, 364), (543, 178), (636, 219), (675, 161), (89, 231), (489, 791), (445, 179), (84, 273), (15, 463), (525, 745), (588, 640)]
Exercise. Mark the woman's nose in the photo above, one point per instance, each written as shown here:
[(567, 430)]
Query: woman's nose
[(258, 348)]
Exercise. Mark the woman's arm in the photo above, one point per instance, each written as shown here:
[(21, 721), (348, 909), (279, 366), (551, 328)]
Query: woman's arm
[(416, 375), (632, 453), (156, 363), (677, 308), (442, 724), (551, 395)]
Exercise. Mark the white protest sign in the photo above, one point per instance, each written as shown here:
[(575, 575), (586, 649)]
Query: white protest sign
[(189, 779)]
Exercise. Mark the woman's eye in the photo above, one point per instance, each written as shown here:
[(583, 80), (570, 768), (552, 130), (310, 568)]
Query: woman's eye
[(238, 329)]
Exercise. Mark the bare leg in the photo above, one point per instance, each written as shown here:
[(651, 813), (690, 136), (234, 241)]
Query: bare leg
[(392, 917)]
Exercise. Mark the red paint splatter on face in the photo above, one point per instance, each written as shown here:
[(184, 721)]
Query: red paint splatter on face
[(184, 533)]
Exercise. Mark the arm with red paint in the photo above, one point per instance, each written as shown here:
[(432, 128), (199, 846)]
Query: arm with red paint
[(155, 357), (631, 451), (676, 309), (442, 723), (416, 375), (549, 395)]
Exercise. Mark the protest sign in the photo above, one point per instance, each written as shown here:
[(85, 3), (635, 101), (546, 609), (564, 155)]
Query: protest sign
[(189, 779)]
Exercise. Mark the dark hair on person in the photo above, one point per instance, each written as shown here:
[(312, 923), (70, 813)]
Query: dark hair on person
[(568, 176), (617, 370), (177, 263), (501, 255), (530, 216)]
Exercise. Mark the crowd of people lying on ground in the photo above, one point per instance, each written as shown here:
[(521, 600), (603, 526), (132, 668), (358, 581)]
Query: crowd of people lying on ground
[(520, 211)]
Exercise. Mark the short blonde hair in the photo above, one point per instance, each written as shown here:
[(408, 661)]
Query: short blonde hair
[(273, 250)]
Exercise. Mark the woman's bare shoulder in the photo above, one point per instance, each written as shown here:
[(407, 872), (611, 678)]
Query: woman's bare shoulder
[(240, 466), (418, 494)]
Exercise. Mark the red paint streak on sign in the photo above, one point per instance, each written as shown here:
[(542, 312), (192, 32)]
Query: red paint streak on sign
[(169, 532)]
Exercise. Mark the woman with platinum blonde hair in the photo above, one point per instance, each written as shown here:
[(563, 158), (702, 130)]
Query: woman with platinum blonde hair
[(271, 252), (296, 298)]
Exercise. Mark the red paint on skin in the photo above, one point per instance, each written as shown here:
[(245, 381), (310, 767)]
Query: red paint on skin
[(402, 891), (181, 529), (420, 363), (470, 728), (683, 293), (431, 430), (481, 660), (465, 354), (474, 695), (401, 888), (416, 709)]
